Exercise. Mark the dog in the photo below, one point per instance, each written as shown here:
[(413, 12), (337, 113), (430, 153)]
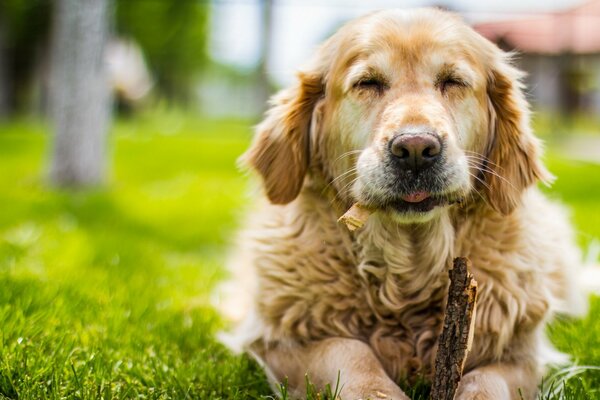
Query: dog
[(414, 115)]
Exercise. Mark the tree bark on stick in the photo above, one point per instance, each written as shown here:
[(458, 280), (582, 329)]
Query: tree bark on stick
[(79, 92), (455, 339)]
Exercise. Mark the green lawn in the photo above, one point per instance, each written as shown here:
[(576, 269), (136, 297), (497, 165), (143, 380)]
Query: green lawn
[(107, 294)]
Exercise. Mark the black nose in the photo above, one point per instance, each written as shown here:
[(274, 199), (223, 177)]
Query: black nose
[(416, 151)]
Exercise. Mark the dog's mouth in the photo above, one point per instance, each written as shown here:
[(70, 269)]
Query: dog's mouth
[(419, 202)]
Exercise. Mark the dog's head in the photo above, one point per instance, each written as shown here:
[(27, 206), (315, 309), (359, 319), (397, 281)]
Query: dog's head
[(406, 112)]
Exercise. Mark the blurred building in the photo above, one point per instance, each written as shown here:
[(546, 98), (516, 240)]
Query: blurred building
[(561, 53)]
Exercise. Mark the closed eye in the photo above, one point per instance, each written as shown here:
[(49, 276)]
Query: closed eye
[(447, 81), (371, 83)]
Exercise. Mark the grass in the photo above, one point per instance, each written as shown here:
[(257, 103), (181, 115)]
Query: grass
[(554, 125), (106, 294)]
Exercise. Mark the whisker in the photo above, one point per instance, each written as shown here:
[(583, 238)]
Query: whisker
[(344, 175), (481, 168), (477, 156), (343, 190), (494, 173), (346, 189), (484, 183), (346, 154), (491, 172), (474, 189)]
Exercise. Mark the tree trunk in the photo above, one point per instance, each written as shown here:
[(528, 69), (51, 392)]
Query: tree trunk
[(5, 89), (262, 70), (79, 92)]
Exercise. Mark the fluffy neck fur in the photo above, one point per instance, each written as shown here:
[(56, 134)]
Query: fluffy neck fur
[(406, 262)]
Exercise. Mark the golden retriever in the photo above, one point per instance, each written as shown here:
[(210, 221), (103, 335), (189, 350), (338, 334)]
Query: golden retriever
[(415, 115)]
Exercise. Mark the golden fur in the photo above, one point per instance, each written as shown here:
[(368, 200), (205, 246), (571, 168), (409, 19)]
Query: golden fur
[(314, 298)]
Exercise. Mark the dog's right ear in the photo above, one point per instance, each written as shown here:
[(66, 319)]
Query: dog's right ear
[(280, 150)]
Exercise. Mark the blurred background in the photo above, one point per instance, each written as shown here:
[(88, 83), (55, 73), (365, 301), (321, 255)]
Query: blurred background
[(120, 125)]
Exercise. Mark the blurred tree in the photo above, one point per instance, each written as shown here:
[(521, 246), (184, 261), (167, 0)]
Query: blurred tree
[(172, 34), (79, 91), (24, 26), (266, 33), (4, 67)]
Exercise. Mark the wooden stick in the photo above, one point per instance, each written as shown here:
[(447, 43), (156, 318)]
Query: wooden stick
[(457, 335), (355, 217)]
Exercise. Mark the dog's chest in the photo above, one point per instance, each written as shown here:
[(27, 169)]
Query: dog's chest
[(406, 282), (408, 324), (382, 286)]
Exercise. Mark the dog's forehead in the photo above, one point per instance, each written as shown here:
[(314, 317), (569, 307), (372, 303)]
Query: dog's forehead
[(419, 26), (389, 40), (392, 63)]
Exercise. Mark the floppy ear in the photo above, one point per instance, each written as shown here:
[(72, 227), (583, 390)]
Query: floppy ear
[(513, 151), (280, 151)]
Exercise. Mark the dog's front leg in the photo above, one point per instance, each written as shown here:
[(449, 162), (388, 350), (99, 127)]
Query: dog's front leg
[(361, 375), (499, 382)]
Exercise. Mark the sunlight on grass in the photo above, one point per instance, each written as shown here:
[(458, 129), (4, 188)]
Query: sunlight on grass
[(106, 294)]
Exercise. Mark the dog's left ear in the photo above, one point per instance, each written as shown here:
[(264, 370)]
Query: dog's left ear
[(513, 151), (280, 150)]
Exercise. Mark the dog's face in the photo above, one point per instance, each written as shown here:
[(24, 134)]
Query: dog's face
[(406, 112), (413, 100)]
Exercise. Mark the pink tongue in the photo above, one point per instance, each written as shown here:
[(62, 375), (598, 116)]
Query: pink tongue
[(415, 197)]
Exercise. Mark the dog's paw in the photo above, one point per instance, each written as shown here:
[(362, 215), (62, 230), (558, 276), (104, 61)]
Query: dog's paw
[(378, 395), (482, 386), (384, 391)]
